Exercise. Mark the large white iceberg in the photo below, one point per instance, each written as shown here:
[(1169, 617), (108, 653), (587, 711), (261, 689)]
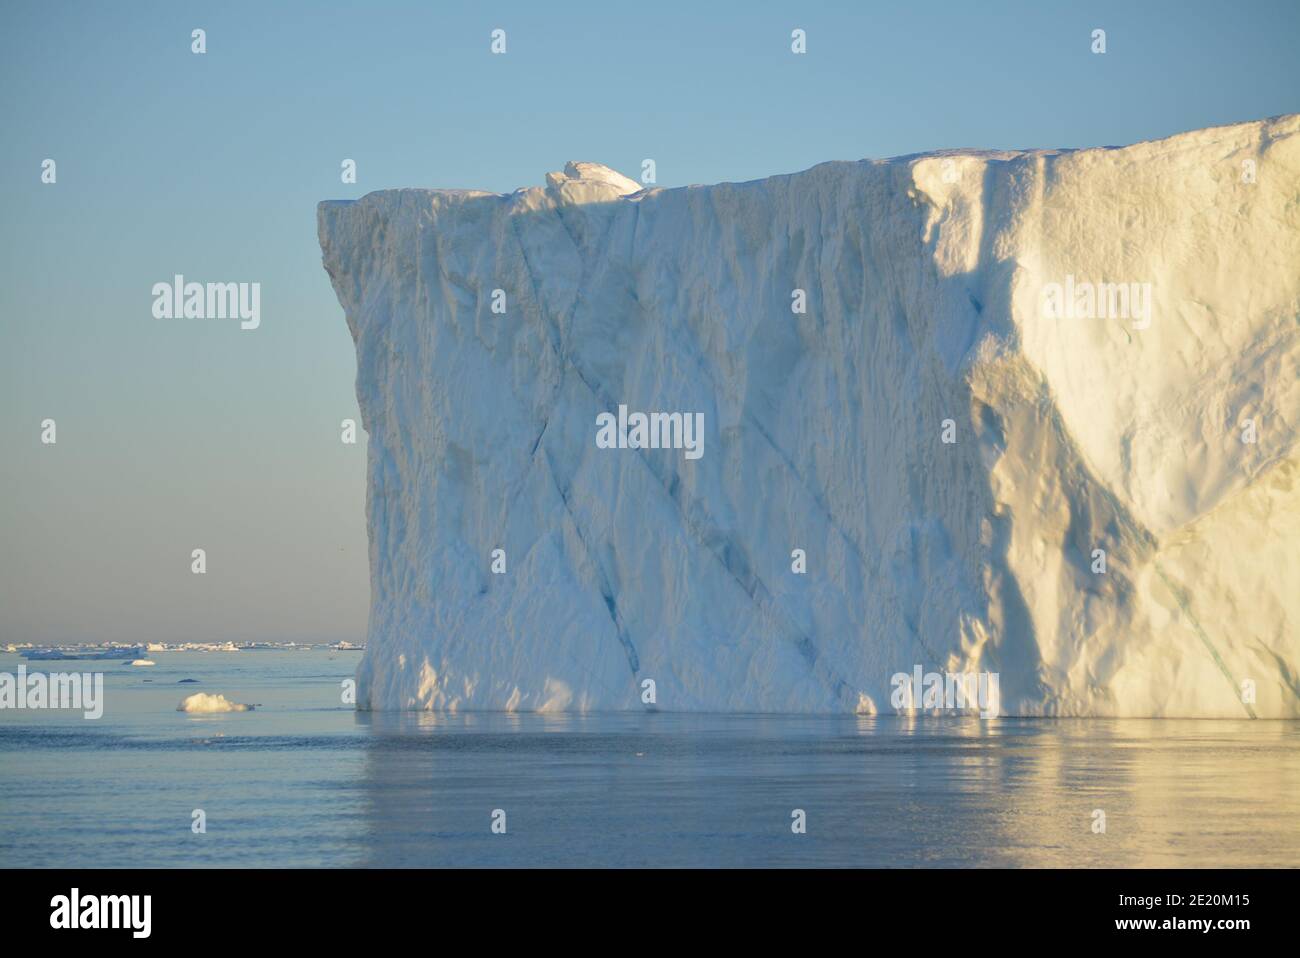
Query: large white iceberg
[(1109, 337)]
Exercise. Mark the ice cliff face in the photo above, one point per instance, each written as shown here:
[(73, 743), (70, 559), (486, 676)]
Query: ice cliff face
[(1108, 339)]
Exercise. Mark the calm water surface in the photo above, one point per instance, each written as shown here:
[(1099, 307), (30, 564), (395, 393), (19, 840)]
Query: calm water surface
[(306, 781)]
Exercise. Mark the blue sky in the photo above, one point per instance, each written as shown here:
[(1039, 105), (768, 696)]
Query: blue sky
[(174, 436)]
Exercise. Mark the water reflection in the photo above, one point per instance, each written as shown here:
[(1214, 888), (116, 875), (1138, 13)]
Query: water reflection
[(662, 789)]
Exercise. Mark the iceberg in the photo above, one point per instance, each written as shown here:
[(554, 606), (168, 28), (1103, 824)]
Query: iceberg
[(1028, 413), (201, 702)]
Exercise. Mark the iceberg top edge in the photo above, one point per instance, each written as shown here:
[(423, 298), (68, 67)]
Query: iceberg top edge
[(1274, 126)]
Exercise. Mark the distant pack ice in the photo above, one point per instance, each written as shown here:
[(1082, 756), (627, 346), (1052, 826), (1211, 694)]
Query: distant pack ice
[(1025, 413)]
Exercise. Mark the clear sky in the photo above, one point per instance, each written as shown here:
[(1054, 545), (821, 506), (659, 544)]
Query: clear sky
[(179, 435)]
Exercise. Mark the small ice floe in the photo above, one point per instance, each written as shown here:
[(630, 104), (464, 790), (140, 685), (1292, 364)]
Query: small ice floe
[(202, 702), (143, 662)]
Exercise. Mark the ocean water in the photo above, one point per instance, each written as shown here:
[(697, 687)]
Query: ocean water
[(306, 781)]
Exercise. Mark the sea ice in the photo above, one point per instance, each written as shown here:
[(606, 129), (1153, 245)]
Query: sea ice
[(203, 702)]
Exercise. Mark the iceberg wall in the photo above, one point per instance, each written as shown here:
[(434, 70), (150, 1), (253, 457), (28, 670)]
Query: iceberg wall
[(1038, 416)]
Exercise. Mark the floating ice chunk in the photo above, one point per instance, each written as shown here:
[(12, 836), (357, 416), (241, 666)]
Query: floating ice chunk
[(203, 702)]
